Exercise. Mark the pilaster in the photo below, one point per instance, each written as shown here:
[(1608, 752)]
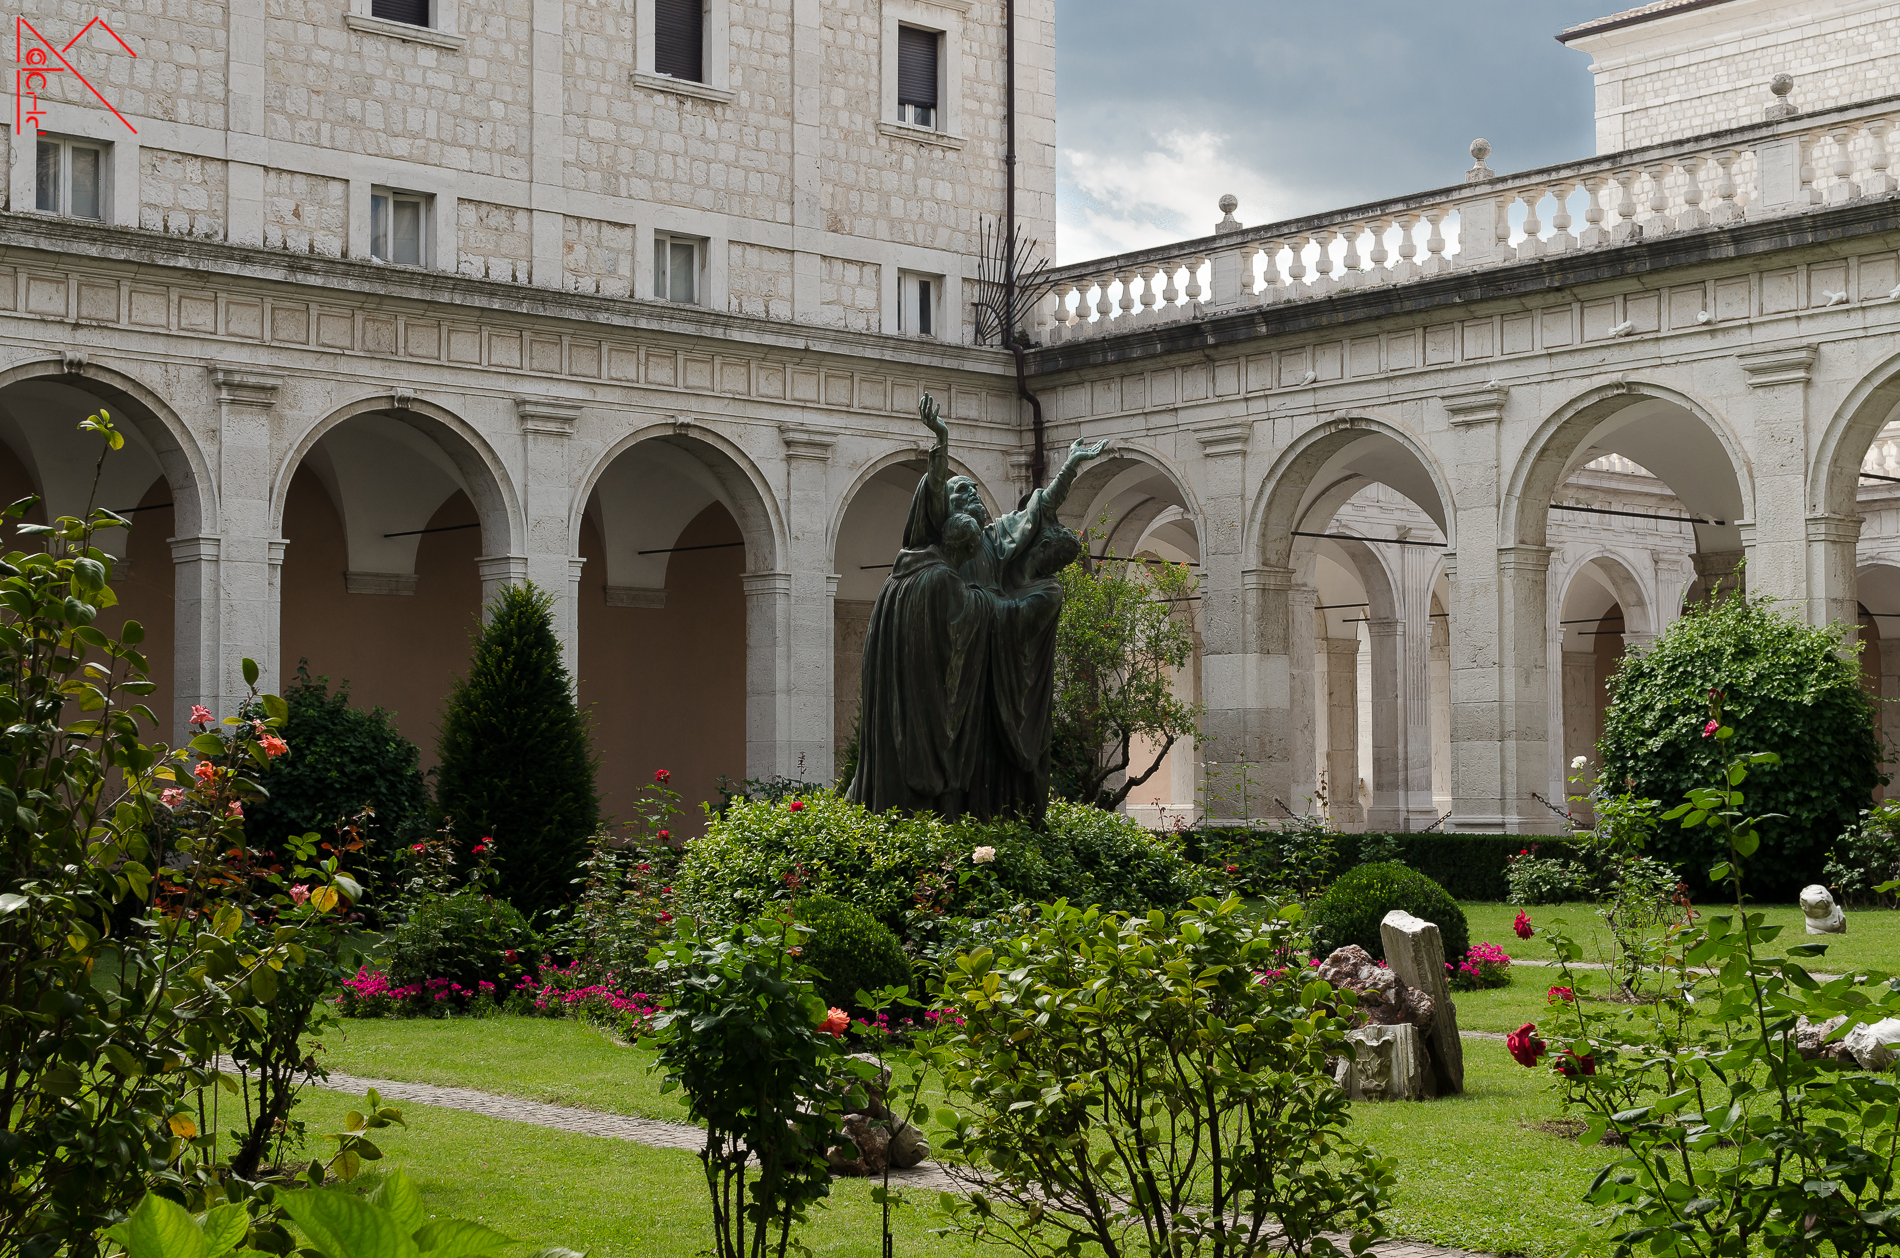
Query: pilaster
[(806, 687), (248, 557), (1778, 380), (547, 431)]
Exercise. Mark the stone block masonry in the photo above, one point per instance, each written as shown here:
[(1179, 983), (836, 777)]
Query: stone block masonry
[(306, 213), (181, 195)]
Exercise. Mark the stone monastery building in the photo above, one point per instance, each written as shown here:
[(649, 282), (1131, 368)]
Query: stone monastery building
[(400, 301)]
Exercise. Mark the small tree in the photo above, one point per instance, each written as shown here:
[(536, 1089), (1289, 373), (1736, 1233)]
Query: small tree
[(516, 763), (343, 757), (1786, 685), (1117, 647)]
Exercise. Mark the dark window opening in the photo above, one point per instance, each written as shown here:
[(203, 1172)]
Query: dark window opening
[(679, 39), (408, 12), (917, 53)]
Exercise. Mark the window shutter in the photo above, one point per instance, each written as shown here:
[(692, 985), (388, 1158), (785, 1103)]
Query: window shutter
[(411, 12), (679, 39), (917, 66)]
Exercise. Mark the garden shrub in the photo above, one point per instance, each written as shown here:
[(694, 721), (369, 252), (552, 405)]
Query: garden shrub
[(1469, 866), (466, 939), (1353, 907), (1083, 854), (1128, 1084), (1785, 686), (344, 757), (1484, 965), (1866, 856), (516, 765), (851, 951), (1535, 879)]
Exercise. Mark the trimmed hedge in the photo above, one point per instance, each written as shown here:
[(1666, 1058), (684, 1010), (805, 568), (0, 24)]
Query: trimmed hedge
[(1353, 907), (851, 950), (1469, 866)]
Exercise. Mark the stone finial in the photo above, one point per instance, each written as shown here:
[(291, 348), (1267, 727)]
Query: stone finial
[(1228, 223), (1480, 149), (1780, 85)]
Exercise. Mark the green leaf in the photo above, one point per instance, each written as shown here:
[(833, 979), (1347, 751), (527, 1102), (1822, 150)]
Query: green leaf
[(264, 984), (158, 1228), (345, 1225), (398, 1195), (276, 708), (11, 903), (208, 745), (1746, 842), (224, 1227), (250, 671), (125, 1063), (458, 1238)]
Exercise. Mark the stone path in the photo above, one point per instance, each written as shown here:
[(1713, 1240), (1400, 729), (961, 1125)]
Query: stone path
[(665, 1135)]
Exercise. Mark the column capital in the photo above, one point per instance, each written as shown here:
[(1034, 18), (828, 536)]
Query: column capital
[(243, 385), (1342, 646), (1221, 440), (1792, 364), (509, 568), (765, 583), (1268, 579), (195, 549), (807, 443), (275, 547), (1515, 559), (831, 583), (552, 417), (1834, 528), (1480, 406)]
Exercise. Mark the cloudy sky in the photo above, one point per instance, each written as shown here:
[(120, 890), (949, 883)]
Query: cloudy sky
[(1163, 105)]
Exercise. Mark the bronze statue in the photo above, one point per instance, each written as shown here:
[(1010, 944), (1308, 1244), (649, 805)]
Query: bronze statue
[(959, 659)]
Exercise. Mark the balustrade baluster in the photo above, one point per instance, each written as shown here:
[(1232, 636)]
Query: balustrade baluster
[(1408, 248), (1658, 222), (1810, 195), (1148, 273), (1842, 188), (1726, 211), (1879, 183), (1435, 259), (1592, 235), (1323, 281), (1104, 305), (1194, 265), (1560, 220), (1171, 295), (1532, 244), (1270, 286), (1501, 228), (1354, 274), (1626, 227), (1378, 273), (1127, 280), (1296, 266), (1692, 216), (1244, 273)]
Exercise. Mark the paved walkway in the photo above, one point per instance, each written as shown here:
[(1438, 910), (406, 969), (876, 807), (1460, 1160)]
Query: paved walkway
[(663, 1135)]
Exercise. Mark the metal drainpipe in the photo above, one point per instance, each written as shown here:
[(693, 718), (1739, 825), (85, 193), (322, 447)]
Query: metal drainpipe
[(1038, 459)]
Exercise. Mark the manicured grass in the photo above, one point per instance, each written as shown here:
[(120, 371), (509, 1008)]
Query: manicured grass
[(1872, 940), (557, 1061), (611, 1198)]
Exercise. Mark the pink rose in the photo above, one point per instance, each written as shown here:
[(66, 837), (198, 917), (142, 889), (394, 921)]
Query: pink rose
[(1708, 731), (200, 714), (299, 892)]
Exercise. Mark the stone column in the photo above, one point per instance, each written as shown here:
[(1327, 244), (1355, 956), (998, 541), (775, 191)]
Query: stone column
[(195, 653), (1579, 710), (1778, 555), (1243, 615), (1525, 694), (547, 432), (1833, 562), (247, 556), (1416, 567), (806, 753), (1387, 639), (1303, 699), (1441, 711), (1342, 729), (1721, 572), (768, 603)]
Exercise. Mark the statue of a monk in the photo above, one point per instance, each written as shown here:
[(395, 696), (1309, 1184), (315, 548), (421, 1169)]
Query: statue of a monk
[(959, 659)]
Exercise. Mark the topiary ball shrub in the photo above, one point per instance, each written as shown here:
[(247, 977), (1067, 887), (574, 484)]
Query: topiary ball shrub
[(1353, 907), (851, 949), (468, 938), (1787, 688)]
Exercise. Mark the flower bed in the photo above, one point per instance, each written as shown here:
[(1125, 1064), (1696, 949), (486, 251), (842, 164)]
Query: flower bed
[(552, 991)]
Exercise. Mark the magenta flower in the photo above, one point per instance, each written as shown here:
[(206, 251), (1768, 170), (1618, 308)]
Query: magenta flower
[(1708, 731)]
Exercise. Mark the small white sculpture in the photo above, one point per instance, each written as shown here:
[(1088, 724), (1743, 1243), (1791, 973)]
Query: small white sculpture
[(1824, 916), (1872, 1044)]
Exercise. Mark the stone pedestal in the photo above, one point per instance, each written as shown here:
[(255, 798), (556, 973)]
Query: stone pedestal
[(1390, 1063), (1416, 953)]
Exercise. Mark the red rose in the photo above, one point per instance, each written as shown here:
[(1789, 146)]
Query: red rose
[(1524, 1045), (797, 805), (662, 776), (1523, 925), (479, 848)]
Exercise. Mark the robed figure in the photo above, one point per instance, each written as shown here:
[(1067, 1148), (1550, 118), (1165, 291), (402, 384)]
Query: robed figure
[(959, 659)]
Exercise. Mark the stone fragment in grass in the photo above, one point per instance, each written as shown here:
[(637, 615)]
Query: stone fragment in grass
[(1415, 951), (1390, 1063)]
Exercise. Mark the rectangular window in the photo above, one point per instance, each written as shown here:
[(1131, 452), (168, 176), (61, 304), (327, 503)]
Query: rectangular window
[(919, 303), (917, 56), (679, 39), (676, 266), (69, 178), (408, 12), (398, 226)]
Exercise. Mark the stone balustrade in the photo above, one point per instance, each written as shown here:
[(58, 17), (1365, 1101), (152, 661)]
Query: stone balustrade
[(1781, 167)]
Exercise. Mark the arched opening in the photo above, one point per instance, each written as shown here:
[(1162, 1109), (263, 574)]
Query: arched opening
[(155, 480), (1129, 505), (385, 514), (1357, 519), (1602, 611), (669, 628), (1879, 606)]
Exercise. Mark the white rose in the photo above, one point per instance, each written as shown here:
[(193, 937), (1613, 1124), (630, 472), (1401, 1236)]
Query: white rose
[(983, 855), (1579, 762)]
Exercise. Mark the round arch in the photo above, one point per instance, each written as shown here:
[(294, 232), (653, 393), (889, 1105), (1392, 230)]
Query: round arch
[(1834, 476), (1552, 455), (1623, 583), (1125, 466), (180, 457), (489, 486), (748, 494), (1300, 476)]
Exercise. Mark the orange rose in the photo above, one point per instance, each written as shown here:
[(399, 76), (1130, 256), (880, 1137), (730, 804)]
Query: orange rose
[(836, 1020)]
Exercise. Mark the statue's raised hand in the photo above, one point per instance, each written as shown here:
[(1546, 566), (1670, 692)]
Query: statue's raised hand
[(1082, 451), (927, 411)]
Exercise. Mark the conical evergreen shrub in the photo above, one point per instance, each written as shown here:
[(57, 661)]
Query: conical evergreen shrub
[(516, 763)]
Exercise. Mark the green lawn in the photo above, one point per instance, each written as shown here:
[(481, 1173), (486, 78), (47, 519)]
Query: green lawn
[(1872, 939)]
